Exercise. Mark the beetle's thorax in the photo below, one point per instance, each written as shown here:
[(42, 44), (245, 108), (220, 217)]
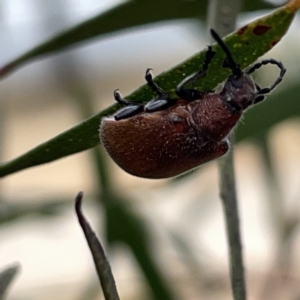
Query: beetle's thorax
[(212, 117)]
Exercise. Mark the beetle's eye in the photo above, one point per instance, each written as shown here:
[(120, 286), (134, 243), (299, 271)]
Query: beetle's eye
[(236, 82)]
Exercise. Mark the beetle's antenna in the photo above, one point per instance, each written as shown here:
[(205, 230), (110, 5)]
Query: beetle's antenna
[(277, 81), (229, 62)]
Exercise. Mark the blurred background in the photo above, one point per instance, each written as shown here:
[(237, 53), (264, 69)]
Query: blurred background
[(165, 238)]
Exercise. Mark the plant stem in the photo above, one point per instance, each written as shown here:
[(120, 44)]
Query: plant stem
[(230, 207), (222, 17)]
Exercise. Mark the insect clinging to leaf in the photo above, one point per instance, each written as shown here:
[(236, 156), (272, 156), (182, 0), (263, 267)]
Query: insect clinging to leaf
[(169, 136)]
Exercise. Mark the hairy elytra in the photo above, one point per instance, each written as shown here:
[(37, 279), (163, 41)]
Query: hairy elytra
[(167, 136)]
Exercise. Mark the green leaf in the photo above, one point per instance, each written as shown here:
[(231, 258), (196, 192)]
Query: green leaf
[(247, 45), (120, 18)]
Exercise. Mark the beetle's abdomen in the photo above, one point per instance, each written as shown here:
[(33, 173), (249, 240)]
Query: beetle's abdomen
[(158, 145)]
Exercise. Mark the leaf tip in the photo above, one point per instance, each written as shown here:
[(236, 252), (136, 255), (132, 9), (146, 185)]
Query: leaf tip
[(293, 5), (78, 201)]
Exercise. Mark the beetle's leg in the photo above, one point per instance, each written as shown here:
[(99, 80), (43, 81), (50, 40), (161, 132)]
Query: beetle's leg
[(163, 99), (264, 91), (229, 61), (158, 90), (192, 94), (118, 97), (129, 110)]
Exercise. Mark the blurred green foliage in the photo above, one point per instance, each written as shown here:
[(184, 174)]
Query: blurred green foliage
[(122, 223)]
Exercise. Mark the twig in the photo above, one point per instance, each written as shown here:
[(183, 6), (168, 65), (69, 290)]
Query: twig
[(230, 206), (222, 17)]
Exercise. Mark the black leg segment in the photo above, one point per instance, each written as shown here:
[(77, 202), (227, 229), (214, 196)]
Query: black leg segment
[(229, 61), (118, 97), (162, 100), (192, 94), (159, 91), (129, 110)]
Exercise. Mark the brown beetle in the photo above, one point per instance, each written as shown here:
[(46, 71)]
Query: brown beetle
[(167, 137)]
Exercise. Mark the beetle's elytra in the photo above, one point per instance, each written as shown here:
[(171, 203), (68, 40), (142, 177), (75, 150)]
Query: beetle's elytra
[(167, 136)]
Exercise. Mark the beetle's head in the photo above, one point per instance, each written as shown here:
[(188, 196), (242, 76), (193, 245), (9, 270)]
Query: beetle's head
[(239, 91), (239, 87)]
